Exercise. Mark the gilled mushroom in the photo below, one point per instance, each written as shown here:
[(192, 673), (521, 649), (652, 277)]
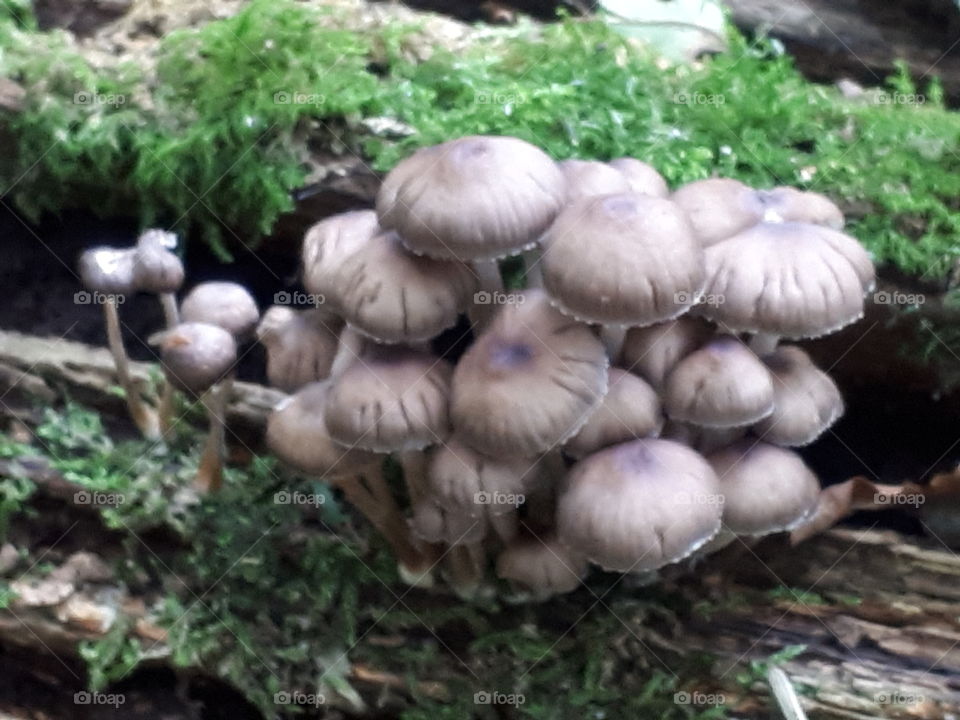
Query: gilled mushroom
[(806, 402), (196, 357), (226, 304), (643, 178), (588, 178), (653, 351), (301, 345), (110, 272), (529, 382), (461, 533), (541, 567), (640, 505)]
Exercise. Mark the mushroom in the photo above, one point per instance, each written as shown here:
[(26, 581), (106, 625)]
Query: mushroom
[(529, 382), (643, 178), (806, 402), (640, 505), (463, 535), (588, 178), (226, 304), (630, 410), (196, 357), (644, 264), (301, 345), (541, 567), (786, 280), (653, 351), (298, 435), (110, 272)]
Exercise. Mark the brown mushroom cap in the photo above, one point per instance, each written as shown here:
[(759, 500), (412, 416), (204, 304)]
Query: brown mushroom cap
[(643, 178), (453, 526), (156, 269), (805, 400), (630, 410), (300, 345), (766, 488), (390, 399), (108, 270), (541, 566), (639, 505), (588, 178), (330, 242), (723, 384), (653, 351), (463, 478), (529, 382), (643, 266), (787, 279), (195, 356), (226, 304), (297, 434), (474, 198), (392, 295)]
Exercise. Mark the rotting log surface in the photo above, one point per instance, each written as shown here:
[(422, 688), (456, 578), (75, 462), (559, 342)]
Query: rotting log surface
[(878, 613)]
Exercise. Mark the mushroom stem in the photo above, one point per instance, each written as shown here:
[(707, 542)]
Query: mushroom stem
[(209, 476), (763, 343), (533, 272), (612, 337), (349, 349), (171, 314), (143, 415), (465, 567), (414, 464), (491, 286)]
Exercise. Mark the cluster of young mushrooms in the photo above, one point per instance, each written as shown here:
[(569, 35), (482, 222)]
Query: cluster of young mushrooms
[(631, 407)]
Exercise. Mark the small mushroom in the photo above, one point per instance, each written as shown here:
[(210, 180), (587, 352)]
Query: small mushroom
[(301, 345), (541, 567), (653, 351), (640, 505), (329, 243), (643, 178), (588, 178), (226, 304)]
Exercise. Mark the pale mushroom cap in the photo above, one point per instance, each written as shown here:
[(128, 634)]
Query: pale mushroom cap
[(653, 351), (541, 566), (643, 178), (529, 382), (156, 269), (625, 259), (391, 295), (587, 178), (474, 198), (723, 384), (639, 505), (630, 410), (704, 440), (766, 488), (465, 479), (108, 270), (806, 401), (792, 205), (330, 242), (195, 356), (389, 400), (301, 345), (432, 523), (297, 434), (226, 304), (718, 208), (787, 279)]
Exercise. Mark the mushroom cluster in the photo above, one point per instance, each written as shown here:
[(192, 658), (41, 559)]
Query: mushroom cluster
[(630, 407)]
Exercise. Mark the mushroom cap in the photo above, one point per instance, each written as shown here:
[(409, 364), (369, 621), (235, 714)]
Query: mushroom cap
[(392, 295), (195, 356), (529, 381), (791, 205), (478, 197), (330, 242), (301, 345), (643, 178), (702, 439), (588, 178), (297, 434), (639, 505), (463, 478), (390, 399), (787, 279), (108, 270), (766, 488), (630, 410), (653, 351), (643, 265), (156, 269), (226, 304), (432, 523), (805, 400), (723, 384), (541, 566)]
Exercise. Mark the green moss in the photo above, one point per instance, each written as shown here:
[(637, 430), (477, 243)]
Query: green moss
[(214, 140)]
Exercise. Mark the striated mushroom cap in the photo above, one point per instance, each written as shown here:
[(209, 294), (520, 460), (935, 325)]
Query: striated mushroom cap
[(452, 526), (301, 345), (653, 351), (226, 304), (330, 242), (541, 566), (465, 479), (195, 356), (156, 269), (643, 178)]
